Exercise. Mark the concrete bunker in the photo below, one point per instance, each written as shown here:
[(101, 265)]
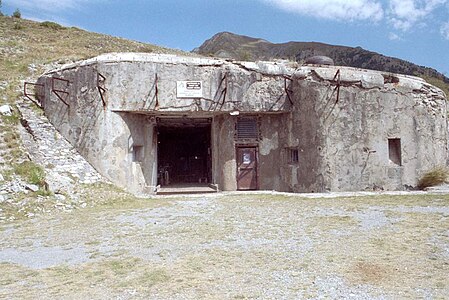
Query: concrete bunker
[(247, 125)]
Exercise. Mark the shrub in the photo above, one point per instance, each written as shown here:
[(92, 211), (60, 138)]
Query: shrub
[(52, 25), (146, 49), (14, 119), (17, 26), (17, 14), (31, 172), (436, 176)]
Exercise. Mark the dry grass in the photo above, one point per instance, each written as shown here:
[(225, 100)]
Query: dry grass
[(29, 48), (238, 247), (24, 43), (436, 176)]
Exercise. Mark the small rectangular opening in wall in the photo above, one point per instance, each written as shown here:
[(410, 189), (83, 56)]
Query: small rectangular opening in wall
[(137, 153), (394, 151), (292, 155)]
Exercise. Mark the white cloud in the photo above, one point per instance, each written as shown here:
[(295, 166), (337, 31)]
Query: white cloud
[(48, 5), (334, 9), (445, 30), (404, 14), (394, 37)]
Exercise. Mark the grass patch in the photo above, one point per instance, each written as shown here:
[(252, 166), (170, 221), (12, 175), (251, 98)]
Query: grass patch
[(18, 26), (52, 25), (121, 267), (436, 176), (31, 172), (11, 138), (410, 251), (154, 277), (14, 119), (7, 174)]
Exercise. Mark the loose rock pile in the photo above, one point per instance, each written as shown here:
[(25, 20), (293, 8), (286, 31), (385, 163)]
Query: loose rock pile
[(64, 168)]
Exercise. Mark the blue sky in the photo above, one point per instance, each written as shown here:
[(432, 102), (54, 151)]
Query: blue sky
[(414, 30)]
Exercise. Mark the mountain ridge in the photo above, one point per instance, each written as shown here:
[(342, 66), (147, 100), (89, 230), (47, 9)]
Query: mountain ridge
[(240, 47)]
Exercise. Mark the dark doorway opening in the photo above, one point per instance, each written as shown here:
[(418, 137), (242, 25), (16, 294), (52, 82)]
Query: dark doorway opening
[(184, 153)]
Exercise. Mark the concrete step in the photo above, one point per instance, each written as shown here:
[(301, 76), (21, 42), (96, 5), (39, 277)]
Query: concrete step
[(193, 188)]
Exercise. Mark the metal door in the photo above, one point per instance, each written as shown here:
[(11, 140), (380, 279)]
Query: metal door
[(246, 168)]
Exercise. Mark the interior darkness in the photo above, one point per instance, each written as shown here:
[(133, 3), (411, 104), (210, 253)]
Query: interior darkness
[(184, 155)]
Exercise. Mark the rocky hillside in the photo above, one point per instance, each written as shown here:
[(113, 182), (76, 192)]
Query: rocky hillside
[(229, 45), (27, 48), (39, 170)]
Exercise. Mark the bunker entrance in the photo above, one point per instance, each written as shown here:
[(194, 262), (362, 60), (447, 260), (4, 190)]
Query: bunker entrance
[(184, 153)]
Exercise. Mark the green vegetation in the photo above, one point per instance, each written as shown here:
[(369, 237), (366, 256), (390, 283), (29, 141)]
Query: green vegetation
[(12, 119), (436, 176), (48, 42), (18, 26), (27, 49), (438, 82), (31, 172), (17, 14), (245, 55), (52, 25)]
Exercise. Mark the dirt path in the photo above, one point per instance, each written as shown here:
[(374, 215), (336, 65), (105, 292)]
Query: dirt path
[(234, 247)]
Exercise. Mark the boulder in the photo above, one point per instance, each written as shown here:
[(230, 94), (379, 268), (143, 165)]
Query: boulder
[(32, 187), (5, 110), (319, 60)]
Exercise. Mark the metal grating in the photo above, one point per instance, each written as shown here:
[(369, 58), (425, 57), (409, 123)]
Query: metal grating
[(292, 155), (247, 128)]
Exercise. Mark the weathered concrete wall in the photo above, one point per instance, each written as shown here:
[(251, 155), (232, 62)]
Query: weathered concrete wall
[(342, 145), (103, 137), (136, 84), (223, 157), (139, 82), (273, 133)]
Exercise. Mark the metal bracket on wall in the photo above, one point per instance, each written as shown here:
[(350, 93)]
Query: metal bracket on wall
[(287, 91), (101, 89), (337, 87), (156, 92), (35, 92), (223, 92), (58, 92)]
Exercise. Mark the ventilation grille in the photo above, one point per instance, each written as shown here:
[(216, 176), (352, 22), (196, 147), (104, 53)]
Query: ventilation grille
[(292, 155), (247, 128)]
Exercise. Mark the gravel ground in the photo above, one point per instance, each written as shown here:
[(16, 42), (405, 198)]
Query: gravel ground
[(234, 246)]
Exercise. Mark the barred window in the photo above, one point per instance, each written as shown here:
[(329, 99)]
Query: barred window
[(292, 155)]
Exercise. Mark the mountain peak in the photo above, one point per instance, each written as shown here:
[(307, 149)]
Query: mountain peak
[(241, 47)]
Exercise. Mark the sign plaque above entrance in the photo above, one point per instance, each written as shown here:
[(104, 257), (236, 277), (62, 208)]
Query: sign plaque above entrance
[(189, 89)]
